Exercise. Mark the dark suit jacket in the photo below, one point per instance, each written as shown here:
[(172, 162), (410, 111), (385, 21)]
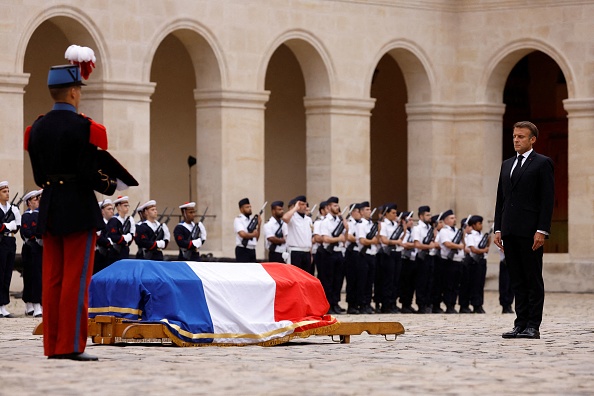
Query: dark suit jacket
[(64, 163), (527, 205)]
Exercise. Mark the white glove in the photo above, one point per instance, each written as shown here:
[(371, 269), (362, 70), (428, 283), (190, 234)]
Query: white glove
[(121, 185), (11, 226), (39, 241), (197, 243), (161, 244), (127, 237), (110, 242), (286, 256)]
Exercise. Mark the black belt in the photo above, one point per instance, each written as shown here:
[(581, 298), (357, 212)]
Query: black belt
[(60, 179)]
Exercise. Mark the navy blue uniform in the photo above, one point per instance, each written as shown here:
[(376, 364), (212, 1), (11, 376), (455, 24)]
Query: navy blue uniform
[(32, 254)]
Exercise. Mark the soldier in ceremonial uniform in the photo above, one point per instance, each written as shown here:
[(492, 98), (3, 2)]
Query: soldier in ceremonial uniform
[(390, 263), (438, 273), (316, 236), (275, 232), (368, 247), (32, 255), (189, 235), (63, 147), (10, 223), (246, 241), (103, 244), (120, 230), (331, 264), (355, 285), (423, 237), (451, 256), (408, 274), (299, 233), (151, 236)]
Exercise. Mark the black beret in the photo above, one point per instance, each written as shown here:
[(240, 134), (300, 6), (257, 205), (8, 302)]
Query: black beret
[(390, 206), (244, 201), (277, 204), (475, 219), (424, 209), (300, 198), (332, 200), (364, 204), (463, 222), (434, 218), (323, 205), (447, 213), (355, 206)]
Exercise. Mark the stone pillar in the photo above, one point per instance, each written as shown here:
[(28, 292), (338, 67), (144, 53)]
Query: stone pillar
[(580, 113), (338, 148), (11, 139), (124, 109), (230, 160)]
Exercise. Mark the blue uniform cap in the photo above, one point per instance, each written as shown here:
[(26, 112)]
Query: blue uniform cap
[(64, 76)]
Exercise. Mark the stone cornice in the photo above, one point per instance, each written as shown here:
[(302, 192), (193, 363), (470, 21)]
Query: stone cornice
[(231, 99), (337, 105), (579, 108), (455, 112), (13, 83), (119, 90)]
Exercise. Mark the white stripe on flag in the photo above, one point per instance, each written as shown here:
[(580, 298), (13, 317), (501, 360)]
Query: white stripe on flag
[(240, 298)]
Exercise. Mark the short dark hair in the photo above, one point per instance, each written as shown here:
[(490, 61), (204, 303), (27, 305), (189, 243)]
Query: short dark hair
[(528, 125), (59, 94)]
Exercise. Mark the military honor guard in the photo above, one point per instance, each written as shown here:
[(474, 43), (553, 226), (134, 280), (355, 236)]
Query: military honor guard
[(451, 241), (333, 230), (103, 245), (316, 237), (354, 287), (275, 232), (478, 271), (32, 255), (11, 221), (367, 240), (120, 230), (423, 237), (389, 264), (189, 235), (467, 265), (438, 273), (299, 233), (247, 233), (63, 148), (152, 236)]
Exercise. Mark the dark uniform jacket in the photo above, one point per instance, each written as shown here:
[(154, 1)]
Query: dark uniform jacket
[(526, 206), (62, 146)]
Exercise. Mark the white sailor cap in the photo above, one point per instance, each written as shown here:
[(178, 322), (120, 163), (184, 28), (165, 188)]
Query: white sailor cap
[(3, 184), (120, 199), (188, 205), (105, 202), (145, 205), (32, 194)]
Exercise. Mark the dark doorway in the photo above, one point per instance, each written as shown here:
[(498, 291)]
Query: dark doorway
[(534, 91)]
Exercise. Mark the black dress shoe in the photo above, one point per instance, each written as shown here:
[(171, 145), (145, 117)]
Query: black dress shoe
[(437, 310), (378, 308), (407, 309), (79, 356), (353, 311), (529, 332), (29, 313), (339, 309), (479, 309), (507, 309), (465, 310), (514, 333), (366, 309), (10, 316), (451, 310)]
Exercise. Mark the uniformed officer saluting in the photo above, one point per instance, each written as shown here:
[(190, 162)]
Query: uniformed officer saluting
[(189, 235), (63, 147)]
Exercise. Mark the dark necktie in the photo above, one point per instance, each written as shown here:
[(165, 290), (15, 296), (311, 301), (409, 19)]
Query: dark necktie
[(516, 172)]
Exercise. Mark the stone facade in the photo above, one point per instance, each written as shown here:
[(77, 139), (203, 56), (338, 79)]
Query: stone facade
[(455, 57)]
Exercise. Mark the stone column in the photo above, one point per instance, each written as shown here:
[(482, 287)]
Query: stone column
[(338, 148), (580, 113), (230, 160), (11, 139), (124, 109)]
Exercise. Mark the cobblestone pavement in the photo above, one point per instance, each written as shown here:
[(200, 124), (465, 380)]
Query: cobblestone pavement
[(439, 354)]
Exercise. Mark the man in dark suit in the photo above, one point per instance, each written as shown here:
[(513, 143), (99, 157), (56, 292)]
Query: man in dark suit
[(63, 147), (523, 212)]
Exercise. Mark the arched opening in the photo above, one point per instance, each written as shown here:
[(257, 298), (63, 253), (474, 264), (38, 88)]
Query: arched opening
[(389, 154), (285, 127), (173, 125), (534, 91)]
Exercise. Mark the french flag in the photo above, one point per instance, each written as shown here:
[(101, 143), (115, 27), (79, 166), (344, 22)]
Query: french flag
[(209, 302)]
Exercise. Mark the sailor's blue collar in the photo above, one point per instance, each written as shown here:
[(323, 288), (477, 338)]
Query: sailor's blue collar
[(64, 106)]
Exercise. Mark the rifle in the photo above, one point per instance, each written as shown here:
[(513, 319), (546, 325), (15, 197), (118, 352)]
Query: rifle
[(457, 239), (483, 243), (9, 215), (18, 204), (253, 224), (127, 223), (312, 210), (398, 231), (372, 232), (195, 234), (339, 229), (159, 233), (278, 234)]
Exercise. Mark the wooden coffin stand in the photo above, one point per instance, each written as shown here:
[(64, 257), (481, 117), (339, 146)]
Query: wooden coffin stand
[(111, 330)]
